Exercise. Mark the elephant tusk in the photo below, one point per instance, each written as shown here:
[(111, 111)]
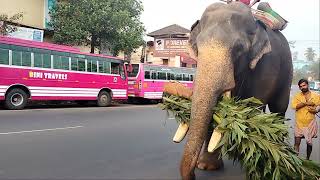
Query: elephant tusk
[(214, 140), (227, 94), (181, 132)]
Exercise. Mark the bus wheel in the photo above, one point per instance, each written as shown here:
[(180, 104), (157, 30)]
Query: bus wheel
[(104, 99), (16, 99)]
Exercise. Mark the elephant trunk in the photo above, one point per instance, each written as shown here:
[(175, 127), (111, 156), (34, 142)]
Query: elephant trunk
[(214, 76)]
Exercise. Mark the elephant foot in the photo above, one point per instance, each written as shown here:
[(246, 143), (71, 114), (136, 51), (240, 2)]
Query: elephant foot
[(209, 161)]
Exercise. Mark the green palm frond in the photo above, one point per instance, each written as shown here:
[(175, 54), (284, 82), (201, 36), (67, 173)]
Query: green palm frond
[(259, 141)]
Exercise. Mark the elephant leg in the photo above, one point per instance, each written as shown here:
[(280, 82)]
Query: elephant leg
[(209, 161)]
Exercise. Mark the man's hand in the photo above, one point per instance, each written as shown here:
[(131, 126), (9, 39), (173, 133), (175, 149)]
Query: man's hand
[(312, 110), (309, 103)]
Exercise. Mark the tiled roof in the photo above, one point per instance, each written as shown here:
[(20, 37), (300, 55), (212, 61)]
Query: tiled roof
[(172, 29)]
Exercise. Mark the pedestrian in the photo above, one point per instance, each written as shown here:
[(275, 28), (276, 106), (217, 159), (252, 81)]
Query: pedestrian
[(306, 105)]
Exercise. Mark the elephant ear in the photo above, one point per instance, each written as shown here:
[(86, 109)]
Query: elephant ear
[(260, 45), (195, 31)]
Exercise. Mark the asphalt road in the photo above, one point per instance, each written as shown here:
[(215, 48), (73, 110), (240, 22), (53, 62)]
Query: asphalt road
[(119, 142)]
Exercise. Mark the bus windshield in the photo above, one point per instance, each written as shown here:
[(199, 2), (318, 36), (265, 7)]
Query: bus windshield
[(135, 70)]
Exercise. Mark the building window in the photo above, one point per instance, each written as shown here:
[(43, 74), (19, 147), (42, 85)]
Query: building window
[(194, 65), (183, 64), (165, 61)]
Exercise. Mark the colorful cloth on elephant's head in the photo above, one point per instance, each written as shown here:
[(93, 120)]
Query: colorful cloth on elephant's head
[(247, 2)]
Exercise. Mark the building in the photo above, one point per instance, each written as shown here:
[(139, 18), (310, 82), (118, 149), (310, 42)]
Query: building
[(169, 47), (35, 22)]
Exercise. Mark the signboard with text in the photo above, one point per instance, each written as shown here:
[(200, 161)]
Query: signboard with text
[(170, 47), (28, 34)]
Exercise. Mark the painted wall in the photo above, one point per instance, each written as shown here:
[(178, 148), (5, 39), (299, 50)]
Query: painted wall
[(33, 11)]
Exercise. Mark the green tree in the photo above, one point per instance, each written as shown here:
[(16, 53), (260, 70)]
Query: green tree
[(310, 54), (133, 39), (110, 25), (6, 23)]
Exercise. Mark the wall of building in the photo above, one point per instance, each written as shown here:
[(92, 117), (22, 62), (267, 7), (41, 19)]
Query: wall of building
[(33, 11)]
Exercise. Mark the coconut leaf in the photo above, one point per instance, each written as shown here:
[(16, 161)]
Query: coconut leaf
[(258, 141)]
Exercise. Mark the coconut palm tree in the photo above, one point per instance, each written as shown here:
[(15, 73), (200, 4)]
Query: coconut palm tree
[(310, 54)]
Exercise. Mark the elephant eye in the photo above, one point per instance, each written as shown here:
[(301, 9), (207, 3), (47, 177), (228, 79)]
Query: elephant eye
[(252, 29), (251, 33), (237, 50)]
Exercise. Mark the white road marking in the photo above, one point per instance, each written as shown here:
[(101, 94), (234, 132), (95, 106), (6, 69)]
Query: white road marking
[(40, 130)]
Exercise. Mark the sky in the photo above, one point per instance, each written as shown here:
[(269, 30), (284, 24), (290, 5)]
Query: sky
[(303, 17)]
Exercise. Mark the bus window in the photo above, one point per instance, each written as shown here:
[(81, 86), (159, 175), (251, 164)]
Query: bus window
[(94, 66), (191, 77), (185, 77), (81, 65), (122, 74), (147, 74), (153, 75), (37, 60), (16, 58), (101, 69), (115, 68), (26, 59), (60, 62), (107, 67), (168, 76), (89, 65), (4, 56), (179, 77), (172, 77), (162, 75), (65, 63), (56, 62), (135, 70), (74, 64), (46, 60)]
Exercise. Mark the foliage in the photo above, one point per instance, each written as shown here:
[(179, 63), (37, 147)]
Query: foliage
[(179, 107), (97, 22), (6, 23), (292, 44), (312, 70), (310, 54), (256, 139)]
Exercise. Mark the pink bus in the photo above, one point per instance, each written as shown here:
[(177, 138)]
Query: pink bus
[(146, 81), (44, 71)]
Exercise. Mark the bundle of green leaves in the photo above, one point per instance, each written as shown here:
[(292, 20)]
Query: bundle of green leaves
[(258, 140)]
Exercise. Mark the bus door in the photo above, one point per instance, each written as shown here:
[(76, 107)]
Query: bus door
[(152, 86)]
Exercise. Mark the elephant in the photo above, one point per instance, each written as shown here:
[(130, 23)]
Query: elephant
[(235, 53)]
